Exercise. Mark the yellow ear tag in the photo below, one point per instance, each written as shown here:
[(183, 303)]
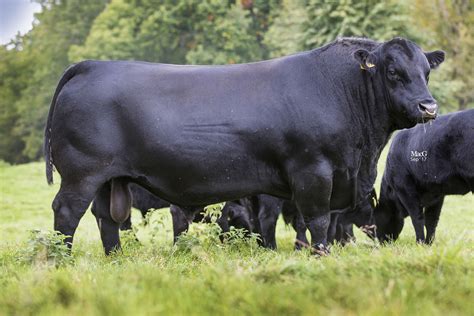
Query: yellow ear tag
[(369, 65)]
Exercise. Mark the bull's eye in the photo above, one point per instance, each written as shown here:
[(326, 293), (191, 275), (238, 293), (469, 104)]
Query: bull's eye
[(427, 78), (392, 74)]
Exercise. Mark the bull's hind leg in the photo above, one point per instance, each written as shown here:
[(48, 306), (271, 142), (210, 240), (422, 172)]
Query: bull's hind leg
[(432, 213), (292, 215), (111, 207), (300, 227), (69, 206), (109, 229)]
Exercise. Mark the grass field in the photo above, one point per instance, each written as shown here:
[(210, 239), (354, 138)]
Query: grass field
[(236, 278)]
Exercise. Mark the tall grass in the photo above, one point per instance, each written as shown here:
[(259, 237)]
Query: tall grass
[(203, 276)]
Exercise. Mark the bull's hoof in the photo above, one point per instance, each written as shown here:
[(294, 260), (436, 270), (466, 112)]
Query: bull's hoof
[(369, 230), (301, 244), (112, 250), (349, 240), (320, 250)]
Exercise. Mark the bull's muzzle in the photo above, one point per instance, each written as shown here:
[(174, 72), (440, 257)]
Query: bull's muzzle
[(428, 110)]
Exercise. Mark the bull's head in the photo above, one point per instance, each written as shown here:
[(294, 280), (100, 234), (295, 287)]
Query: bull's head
[(389, 217), (403, 70), (362, 215), (389, 223)]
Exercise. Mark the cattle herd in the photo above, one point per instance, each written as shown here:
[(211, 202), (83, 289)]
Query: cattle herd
[(299, 135)]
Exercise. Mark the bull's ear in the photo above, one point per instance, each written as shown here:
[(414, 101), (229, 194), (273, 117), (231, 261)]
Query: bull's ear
[(435, 58), (366, 60)]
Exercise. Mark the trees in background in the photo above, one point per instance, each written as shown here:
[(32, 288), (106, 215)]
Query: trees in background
[(449, 24), (14, 75), (168, 31), (308, 24), (210, 32), (30, 69)]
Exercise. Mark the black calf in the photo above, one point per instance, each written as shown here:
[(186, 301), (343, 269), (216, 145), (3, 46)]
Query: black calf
[(425, 163)]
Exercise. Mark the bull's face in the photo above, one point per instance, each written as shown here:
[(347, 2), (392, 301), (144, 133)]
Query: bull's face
[(389, 222), (403, 69)]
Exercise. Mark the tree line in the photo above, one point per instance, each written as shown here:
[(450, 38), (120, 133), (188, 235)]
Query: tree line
[(211, 32)]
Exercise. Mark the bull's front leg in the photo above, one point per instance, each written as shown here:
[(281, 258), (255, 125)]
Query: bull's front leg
[(432, 213), (312, 195), (413, 207)]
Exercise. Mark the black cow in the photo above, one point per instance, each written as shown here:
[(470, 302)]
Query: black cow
[(305, 126), (341, 227), (265, 209), (291, 215), (425, 163)]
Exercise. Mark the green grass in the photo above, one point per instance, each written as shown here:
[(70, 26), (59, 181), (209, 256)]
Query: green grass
[(236, 279)]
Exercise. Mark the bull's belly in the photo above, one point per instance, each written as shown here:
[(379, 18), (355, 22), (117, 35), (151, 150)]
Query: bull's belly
[(205, 193), (207, 182), (454, 185)]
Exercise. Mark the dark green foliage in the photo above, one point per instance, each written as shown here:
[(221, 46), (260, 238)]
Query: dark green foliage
[(302, 25), (327, 20), (14, 74), (193, 31)]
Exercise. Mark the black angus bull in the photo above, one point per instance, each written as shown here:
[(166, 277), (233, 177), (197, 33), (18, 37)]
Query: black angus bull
[(424, 164), (233, 214), (302, 126)]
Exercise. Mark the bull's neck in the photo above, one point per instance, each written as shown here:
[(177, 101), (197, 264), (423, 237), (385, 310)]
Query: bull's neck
[(371, 105), (372, 122)]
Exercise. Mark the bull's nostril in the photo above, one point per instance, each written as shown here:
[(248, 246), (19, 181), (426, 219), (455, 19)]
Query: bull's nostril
[(428, 108)]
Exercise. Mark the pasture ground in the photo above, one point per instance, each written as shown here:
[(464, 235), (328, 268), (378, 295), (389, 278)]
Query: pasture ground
[(202, 277)]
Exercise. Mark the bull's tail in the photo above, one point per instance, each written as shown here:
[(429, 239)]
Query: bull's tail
[(67, 75)]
